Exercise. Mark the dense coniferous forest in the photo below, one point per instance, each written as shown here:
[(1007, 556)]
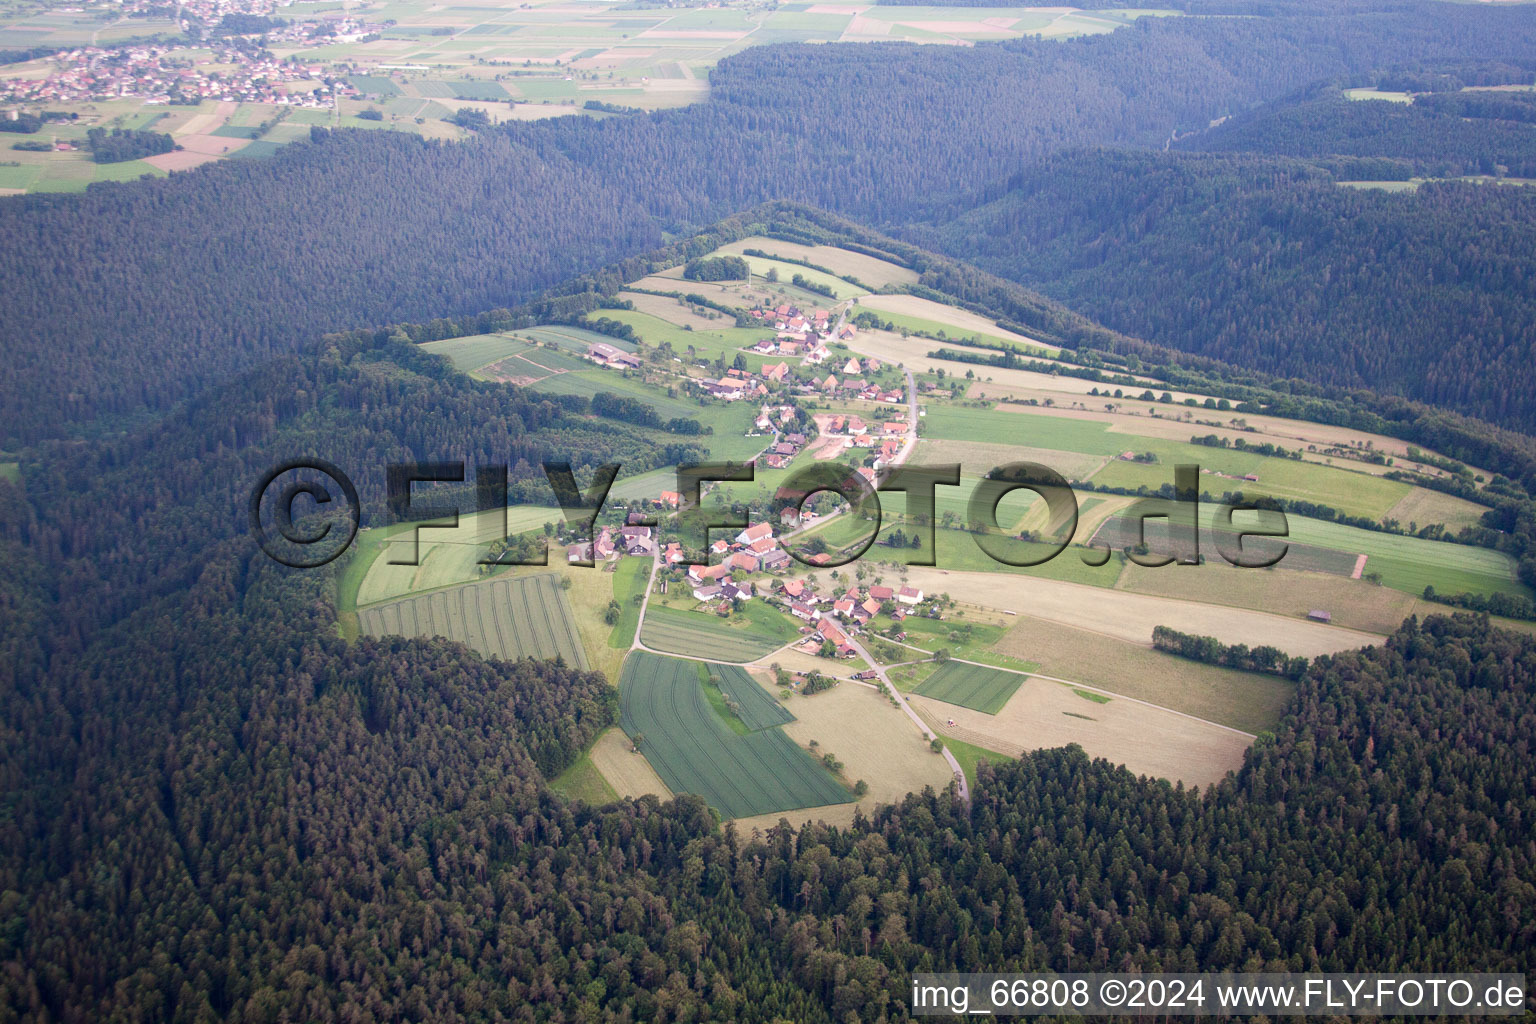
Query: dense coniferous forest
[(216, 808), (1270, 264), (1441, 135), (188, 280)]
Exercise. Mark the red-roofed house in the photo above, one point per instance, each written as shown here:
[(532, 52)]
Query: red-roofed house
[(752, 534)]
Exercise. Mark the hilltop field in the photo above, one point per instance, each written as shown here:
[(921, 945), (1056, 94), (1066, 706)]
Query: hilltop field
[(849, 683)]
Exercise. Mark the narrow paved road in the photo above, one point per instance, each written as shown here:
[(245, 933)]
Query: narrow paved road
[(928, 734)]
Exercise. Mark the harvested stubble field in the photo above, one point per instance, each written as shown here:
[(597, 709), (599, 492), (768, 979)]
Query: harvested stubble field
[(1242, 700), (875, 273), (694, 751), (1147, 740), (510, 617), (1131, 617), (629, 773)]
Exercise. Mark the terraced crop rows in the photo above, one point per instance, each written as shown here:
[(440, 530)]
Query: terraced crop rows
[(509, 617)]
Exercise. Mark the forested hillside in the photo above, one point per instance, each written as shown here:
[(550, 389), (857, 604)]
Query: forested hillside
[(185, 281), (1439, 135), (1270, 264), (216, 808)]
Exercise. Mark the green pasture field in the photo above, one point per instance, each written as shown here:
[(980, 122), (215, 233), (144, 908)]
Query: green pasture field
[(694, 751), (653, 331), (729, 421), (969, 755), (1408, 564), (582, 781), (741, 638), (758, 709), (508, 617), (573, 339), (1352, 491), (446, 556), (841, 289), (971, 686), (629, 582), (477, 350), (958, 551), (952, 332), (965, 423)]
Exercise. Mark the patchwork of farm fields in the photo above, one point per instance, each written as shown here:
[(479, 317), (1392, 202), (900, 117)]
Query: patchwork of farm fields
[(694, 751), (510, 617), (971, 686), (706, 636)]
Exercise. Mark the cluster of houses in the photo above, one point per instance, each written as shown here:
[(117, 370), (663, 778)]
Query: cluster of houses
[(161, 74), (829, 618), (782, 452), (887, 437), (626, 540), (754, 549)]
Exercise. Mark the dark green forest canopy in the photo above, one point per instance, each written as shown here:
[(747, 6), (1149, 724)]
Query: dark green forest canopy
[(187, 280), (217, 807), (1270, 264)]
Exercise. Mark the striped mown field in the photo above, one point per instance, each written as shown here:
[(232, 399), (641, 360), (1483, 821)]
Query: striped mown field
[(509, 617), (694, 751)]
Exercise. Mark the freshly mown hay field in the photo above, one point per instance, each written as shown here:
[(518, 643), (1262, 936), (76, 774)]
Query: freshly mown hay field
[(1131, 617), (874, 739), (1147, 740), (694, 751), (972, 686), (509, 617), (787, 271), (627, 773), (926, 315), (630, 580), (756, 709), (502, 355), (674, 311), (875, 273), (1242, 700), (1422, 507), (1354, 604), (704, 635), (446, 555)]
